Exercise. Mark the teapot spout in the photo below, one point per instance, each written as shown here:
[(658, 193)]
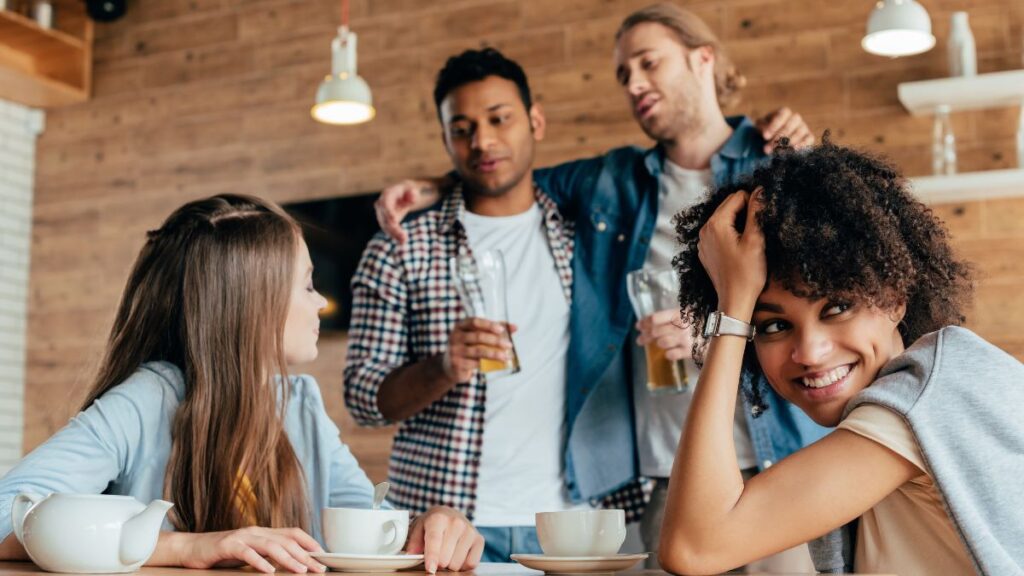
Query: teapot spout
[(139, 534)]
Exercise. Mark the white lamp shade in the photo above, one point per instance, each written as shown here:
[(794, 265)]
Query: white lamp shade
[(898, 28), (343, 99)]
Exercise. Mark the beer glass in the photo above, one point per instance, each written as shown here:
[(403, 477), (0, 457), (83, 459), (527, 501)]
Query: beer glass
[(649, 292), (480, 280)]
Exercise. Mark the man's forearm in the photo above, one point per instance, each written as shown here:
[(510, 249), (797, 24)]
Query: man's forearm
[(408, 390)]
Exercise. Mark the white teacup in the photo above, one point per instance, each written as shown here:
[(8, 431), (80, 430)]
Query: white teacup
[(362, 531), (581, 532)]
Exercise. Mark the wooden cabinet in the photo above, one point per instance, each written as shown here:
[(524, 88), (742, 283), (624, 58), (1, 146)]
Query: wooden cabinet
[(46, 68)]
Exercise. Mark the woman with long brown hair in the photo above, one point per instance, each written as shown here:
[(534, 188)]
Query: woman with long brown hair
[(193, 403)]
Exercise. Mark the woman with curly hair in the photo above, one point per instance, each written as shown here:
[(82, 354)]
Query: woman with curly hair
[(835, 286)]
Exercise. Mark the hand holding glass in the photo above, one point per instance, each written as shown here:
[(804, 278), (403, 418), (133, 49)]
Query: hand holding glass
[(480, 279), (651, 291)]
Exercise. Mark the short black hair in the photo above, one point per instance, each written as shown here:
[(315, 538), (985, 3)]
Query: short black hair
[(476, 65)]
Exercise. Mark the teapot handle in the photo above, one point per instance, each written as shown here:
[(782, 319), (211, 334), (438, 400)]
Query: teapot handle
[(23, 502)]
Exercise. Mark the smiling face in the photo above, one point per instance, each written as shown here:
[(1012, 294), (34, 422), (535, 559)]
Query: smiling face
[(490, 135), (667, 84), (302, 326), (820, 354)]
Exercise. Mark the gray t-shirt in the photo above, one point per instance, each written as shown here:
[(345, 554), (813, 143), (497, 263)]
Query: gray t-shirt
[(660, 420), (962, 399)]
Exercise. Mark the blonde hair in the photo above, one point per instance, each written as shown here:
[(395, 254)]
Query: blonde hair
[(692, 33)]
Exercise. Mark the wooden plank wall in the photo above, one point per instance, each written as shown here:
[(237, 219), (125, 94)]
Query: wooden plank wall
[(196, 97)]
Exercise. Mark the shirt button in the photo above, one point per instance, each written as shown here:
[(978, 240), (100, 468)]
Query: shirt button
[(621, 238), (611, 347), (766, 464), (601, 226)]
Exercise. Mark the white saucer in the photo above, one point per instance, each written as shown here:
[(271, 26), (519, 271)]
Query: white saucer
[(368, 562), (579, 564)]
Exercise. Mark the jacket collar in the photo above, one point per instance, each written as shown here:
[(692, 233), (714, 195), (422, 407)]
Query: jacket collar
[(742, 143)]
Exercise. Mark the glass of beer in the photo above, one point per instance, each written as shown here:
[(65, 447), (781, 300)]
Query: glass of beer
[(649, 292), (480, 279)]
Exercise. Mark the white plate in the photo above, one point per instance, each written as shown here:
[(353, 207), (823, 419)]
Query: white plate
[(368, 562), (579, 564)]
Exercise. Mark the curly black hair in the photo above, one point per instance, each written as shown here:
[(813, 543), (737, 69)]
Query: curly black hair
[(476, 65), (839, 224)]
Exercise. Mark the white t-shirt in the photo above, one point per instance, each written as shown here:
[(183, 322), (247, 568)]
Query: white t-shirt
[(660, 420), (521, 470)]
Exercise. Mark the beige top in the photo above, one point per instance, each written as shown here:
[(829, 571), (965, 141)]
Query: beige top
[(908, 532)]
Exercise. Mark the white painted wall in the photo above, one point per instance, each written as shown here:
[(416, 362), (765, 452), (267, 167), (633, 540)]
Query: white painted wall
[(19, 127)]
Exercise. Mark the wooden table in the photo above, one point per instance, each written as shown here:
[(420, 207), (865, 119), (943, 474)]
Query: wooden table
[(29, 569)]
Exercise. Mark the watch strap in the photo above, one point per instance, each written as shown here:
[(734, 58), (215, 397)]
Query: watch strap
[(718, 324)]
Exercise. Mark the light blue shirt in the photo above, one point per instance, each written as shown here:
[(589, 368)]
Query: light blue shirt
[(121, 444)]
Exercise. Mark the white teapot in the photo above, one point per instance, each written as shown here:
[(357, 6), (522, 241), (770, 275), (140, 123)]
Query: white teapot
[(87, 533)]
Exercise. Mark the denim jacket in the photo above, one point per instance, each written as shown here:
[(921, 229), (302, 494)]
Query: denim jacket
[(614, 200)]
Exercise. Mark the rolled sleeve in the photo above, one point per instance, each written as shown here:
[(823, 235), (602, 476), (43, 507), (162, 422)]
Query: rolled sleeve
[(378, 334)]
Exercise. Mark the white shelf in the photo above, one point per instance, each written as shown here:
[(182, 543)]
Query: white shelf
[(993, 90), (969, 186)]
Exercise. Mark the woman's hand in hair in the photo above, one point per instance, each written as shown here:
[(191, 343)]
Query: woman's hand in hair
[(735, 259), (446, 539), (261, 548)]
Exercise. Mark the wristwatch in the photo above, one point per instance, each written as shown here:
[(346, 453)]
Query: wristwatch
[(719, 324)]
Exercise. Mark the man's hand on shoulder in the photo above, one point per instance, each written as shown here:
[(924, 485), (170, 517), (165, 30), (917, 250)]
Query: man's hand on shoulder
[(784, 123), (398, 200)]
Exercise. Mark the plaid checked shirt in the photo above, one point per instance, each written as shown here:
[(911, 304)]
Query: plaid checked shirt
[(404, 307)]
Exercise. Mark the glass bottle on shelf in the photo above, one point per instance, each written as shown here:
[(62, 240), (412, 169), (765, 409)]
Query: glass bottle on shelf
[(42, 12), (963, 60), (943, 143)]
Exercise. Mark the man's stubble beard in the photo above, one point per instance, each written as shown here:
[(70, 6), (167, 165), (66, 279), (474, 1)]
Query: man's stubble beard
[(684, 118)]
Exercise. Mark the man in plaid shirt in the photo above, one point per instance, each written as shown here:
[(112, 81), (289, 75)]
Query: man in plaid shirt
[(495, 449)]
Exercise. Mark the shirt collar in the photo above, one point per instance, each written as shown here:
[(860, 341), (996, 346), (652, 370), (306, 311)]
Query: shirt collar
[(454, 206), (744, 140)]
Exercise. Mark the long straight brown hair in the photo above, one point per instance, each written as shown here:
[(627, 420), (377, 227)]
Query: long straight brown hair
[(209, 292)]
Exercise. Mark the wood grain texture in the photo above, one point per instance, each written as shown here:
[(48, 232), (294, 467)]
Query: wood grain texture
[(197, 97)]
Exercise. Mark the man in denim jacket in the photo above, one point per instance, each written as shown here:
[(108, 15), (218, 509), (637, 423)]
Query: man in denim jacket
[(676, 75)]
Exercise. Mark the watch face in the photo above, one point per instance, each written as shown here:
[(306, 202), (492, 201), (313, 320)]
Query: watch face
[(711, 325)]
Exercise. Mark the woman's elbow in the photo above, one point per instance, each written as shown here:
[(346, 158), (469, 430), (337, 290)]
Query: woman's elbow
[(682, 561), (688, 556)]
